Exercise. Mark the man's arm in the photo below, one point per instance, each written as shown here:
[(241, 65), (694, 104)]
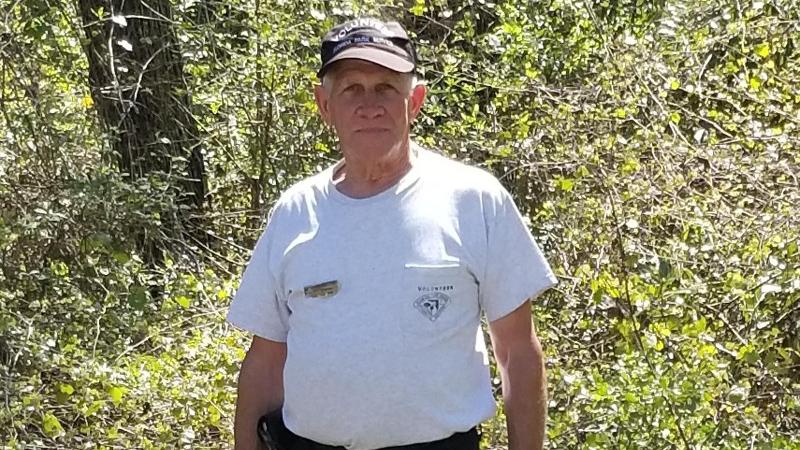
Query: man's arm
[(521, 364), (260, 390)]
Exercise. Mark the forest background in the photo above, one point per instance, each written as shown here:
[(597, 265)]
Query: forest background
[(653, 145)]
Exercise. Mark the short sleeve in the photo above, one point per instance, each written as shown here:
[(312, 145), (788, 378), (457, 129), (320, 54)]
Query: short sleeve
[(257, 306), (515, 269)]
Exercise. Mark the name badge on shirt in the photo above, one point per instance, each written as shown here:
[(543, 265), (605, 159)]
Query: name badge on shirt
[(322, 290)]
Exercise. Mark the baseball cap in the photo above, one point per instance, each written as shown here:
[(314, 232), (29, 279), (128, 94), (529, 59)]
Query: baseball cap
[(383, 43)]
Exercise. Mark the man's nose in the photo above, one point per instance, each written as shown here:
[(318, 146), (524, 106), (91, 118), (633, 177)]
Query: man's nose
[(371, 105)]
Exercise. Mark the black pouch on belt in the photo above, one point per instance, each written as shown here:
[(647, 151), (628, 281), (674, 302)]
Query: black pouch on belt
[(273, 432)]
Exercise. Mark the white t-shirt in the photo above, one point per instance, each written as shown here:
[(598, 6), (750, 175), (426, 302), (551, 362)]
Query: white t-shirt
[(379, 301)]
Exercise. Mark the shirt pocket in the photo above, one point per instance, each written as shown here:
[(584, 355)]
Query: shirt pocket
[(437, 299)]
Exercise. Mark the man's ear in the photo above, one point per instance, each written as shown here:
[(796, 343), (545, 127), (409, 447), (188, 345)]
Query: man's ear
[(321, 97), (416, 99)]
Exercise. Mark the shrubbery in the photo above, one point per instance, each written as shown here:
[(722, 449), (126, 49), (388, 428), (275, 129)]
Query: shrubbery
[(652, 145)]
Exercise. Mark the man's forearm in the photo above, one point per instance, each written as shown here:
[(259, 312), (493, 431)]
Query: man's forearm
[(260, 391), (525, 399)]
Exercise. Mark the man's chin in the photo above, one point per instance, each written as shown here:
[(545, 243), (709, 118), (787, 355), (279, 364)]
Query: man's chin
[(375, 145)]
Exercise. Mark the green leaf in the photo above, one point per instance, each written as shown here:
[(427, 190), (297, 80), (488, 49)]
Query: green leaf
[(51, 425), (747, 353), (565, 184), (675, 117), (66, 389), (92, 408), (87, 101), (214, 415), (59, 269), (116, 393), (183, 301), (418, 9), (512, 28), (629, 166), (675, 85), (700, 325), (121, 257), (762, 49)]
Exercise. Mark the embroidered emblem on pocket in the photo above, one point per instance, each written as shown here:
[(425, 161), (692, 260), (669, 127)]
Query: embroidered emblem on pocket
[(432, 304)]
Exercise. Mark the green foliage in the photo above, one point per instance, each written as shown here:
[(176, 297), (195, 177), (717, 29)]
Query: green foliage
[(652, 145)]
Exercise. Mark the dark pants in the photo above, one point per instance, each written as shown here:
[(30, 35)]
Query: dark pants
[(286, 440)]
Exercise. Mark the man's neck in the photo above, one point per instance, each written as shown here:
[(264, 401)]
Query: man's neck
[(362, 178)]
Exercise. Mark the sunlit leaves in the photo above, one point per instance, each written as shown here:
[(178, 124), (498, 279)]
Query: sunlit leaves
[(116, 393), (125, 44), (762, 49), (120, 20), (87, 101), (419, 8), (652, 147), (565, 184), (51, 425), (183, 301)]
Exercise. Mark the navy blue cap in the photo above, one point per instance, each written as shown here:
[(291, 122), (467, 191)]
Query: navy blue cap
[(383, 43)]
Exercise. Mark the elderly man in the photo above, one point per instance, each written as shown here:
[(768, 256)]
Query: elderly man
[(365, 292)]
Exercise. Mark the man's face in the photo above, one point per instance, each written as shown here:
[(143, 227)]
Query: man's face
[(370, 107)]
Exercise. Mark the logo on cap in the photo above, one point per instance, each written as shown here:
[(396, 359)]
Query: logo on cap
[(363, 22)]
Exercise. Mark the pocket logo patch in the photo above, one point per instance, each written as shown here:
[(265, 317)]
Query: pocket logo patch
[(322, 290), (432, 304)]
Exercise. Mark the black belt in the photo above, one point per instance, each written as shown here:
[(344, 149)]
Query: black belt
[(276, 436), (467, 440)]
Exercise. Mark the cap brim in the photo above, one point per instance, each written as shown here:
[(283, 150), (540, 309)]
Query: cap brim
[(373, 55)]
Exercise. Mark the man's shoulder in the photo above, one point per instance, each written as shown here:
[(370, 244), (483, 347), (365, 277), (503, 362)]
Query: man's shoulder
[(309, 187), (300, 196), (459, 175)]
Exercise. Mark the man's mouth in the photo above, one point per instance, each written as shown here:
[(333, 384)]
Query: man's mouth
[(371, 130)]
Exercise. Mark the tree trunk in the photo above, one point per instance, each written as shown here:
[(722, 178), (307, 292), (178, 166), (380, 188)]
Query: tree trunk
[(138, 86)]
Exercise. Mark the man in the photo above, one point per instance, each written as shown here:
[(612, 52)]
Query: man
[(364, 293)]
